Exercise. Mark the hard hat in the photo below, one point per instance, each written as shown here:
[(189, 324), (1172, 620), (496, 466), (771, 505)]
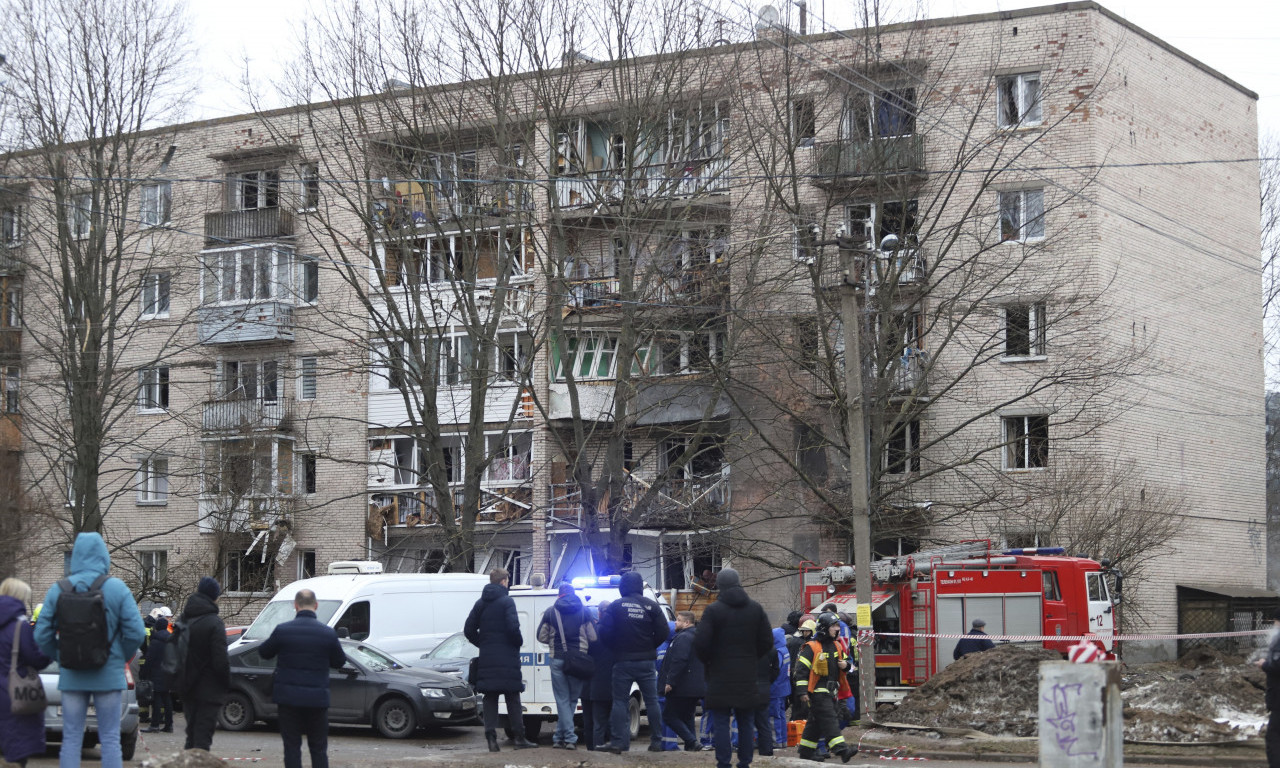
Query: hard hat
[(826, 621), (163, 611), (810, 625)]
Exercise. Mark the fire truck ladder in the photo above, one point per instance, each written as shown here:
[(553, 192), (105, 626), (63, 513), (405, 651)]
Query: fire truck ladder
[(895, 568)]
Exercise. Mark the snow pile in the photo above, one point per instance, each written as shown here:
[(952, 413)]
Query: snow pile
[(1204, 696)]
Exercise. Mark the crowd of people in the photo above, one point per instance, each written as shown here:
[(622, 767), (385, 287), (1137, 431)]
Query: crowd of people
[(751, 678)]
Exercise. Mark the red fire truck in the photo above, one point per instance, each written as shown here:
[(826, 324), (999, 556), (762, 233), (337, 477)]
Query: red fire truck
[(1016, 591)]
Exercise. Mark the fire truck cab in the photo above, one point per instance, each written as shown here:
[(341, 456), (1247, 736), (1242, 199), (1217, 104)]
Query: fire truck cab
[(1025, 592)]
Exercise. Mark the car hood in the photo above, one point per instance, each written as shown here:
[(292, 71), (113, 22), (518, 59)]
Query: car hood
[(416, 676)]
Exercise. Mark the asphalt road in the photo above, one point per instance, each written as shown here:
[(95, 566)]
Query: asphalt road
[(457, 747)]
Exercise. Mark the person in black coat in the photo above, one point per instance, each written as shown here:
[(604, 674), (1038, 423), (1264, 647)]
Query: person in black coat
[(494, 627), (975, 641), (308, 649), (634, 627), (207, 676), (153, 671), (682, 680), (598, 694), (732, 637)]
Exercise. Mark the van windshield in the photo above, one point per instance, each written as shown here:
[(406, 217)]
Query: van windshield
[(280, 611)]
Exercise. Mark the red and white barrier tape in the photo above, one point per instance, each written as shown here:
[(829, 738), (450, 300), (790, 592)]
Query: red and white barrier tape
[(1057, 638), (893, 754), (242, 759)]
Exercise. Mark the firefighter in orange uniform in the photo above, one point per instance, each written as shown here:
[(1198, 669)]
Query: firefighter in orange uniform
[(819, 679)]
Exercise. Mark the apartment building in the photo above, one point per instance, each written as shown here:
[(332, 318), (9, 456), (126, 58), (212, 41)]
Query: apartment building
[(605, 330)]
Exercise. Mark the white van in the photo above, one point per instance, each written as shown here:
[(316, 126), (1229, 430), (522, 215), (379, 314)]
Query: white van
[(538, 701), (404, 614)]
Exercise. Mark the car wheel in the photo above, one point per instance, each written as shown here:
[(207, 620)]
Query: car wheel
[(236, 713), (633, 716), (128, 743), (395, 719)]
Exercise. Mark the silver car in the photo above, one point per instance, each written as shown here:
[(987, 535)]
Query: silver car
[(128, 717)]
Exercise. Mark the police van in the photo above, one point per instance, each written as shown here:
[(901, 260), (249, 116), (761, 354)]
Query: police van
[(538, 701)]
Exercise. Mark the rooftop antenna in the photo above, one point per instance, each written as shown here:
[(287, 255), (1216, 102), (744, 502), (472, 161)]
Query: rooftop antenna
[(767, 19)]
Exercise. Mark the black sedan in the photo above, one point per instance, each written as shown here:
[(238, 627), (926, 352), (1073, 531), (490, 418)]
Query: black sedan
[(452, 657), (372, 688)]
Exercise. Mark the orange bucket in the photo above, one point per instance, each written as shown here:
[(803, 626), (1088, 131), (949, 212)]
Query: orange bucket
[(794, 729)]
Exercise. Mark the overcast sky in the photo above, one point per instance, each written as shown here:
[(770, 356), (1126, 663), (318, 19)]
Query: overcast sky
[(1237, 37)]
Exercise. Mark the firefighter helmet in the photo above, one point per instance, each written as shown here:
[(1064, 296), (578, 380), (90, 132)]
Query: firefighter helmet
[(826, 621)]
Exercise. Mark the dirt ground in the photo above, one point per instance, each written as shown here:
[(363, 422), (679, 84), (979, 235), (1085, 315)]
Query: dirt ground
[(1202, 697)]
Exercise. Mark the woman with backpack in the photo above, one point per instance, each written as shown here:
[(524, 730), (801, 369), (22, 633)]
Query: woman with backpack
[(21, 736), (153, 670)]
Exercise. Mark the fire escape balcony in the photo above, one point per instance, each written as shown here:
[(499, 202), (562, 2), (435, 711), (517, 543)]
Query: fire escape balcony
[(263, 321), (249, 414), (859, 160), (223, 227)]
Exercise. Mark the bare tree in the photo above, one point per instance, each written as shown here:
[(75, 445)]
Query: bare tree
[(86, 85)]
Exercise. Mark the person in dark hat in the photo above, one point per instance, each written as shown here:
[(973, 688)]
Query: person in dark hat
[(1270, 663), (976, 640), (207, 677), (565, 627)]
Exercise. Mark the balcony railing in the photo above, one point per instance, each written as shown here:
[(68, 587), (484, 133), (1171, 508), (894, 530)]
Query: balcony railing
[(254, 224), (247, 513), (598, 292), (661, 180), (909, 374), (416, 507), (400, 210), (264, 321), (906, 266), (869, 157), (677, 502), (234, 414)]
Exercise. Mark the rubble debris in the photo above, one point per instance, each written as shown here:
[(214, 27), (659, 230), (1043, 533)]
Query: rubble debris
[(191, 758), (1205, 696)]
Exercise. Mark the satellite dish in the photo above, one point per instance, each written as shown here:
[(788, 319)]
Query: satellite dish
[(768, 17)]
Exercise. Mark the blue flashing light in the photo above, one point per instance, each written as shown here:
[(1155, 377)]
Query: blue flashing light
[(582, 582), (588, 582)]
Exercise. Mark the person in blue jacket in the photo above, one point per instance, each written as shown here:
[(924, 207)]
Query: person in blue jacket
[(105, 685), (771, 720), (21, 736), (308, 649)]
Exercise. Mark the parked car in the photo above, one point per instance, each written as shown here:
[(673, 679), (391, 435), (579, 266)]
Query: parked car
[(372, 688), (450, 657), (129, 721)]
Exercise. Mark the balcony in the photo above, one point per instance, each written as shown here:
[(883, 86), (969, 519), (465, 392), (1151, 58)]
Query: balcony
[(693, 178), (869, 158), (599, 292), (693, 502), (225, 227), (417, 507), (908, 376), (253, 513), (242, 415), (903, 267), (266, 321), (415, 204)]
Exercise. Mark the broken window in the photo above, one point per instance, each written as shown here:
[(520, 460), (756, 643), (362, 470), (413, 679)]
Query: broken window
[(1026, 442), (804, 124), (902, 449), (1018, 97), (884, 114), (1024, 332)]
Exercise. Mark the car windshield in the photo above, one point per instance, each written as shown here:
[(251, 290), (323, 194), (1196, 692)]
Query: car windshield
[(280, 611), (372, 658), (453, 648)]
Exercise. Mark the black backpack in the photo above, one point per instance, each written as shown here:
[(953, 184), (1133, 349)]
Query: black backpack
[(174, 665), (84, 639)]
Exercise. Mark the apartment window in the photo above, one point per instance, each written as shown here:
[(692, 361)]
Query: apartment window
[(586, 356), (811, 454), (251, 380), (1019, 100), (510, 456), (69, 478), (1022, 215), (307, 378), (153, 480), (306, 563), (157, 200), (707, 459), (155, 295), (1026, 442), (153, 389), (902, 449), (309, 279), (684, 561), (153, 566), (871, 223), (246, 274), (243, 572), (11, 312), (457, 359), (1024, 330), (80, 217), (11, 225), (513, 350), (307, 472), (12, 378), (803, 237), (255, 189), (308, 187), (884, 114), (804, 124)]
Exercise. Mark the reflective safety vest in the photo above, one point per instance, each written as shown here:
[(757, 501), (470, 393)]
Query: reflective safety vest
[(819, 664)]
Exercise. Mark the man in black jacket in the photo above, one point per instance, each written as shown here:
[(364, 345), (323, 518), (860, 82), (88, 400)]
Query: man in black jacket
[(975, 641), (634, 627), (308, 649), (732, 637), (493, 626), (207, 675), (682, 681)]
